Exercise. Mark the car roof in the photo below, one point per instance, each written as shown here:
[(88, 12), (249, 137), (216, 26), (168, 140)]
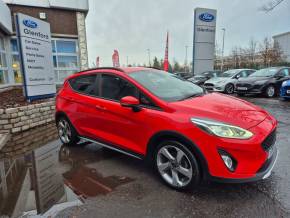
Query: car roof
[(125, 70)]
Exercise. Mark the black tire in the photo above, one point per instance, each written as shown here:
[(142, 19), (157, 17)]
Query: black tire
[(72, 137), (187, 162), (230, 89), (270, 91)]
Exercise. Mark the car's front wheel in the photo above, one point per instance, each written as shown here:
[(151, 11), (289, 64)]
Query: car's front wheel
[(176, 165), (229, 89), (66, 132)]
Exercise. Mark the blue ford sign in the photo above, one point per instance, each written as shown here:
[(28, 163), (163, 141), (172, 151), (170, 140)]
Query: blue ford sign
[(30, 23), (206, 17)]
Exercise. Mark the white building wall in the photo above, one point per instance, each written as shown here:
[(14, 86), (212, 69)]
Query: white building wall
[(284, 43), (5, 18)]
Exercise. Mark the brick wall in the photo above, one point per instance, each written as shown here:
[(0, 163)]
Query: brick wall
[(13, 120), (24, 142)]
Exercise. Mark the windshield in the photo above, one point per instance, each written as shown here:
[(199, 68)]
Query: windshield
[(265, 72), (166, 86), (228, 73)]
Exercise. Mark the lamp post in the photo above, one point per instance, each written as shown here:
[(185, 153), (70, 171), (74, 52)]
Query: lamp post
[(223, 48), (186, 48), (149, 58)]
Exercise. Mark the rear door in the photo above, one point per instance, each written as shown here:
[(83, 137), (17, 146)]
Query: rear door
[(84, 100)]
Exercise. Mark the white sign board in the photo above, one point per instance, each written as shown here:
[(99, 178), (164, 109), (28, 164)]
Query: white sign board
[(204, 40), (48, 180), (36, 57)]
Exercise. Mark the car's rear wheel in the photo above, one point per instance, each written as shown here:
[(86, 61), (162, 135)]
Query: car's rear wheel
[(176, 165), (229, 89), (270, 91), (67, 132)]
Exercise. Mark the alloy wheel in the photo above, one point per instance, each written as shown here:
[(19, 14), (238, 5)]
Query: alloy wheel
[(270, 91), (174, 166), (64, 131), (230, 89)]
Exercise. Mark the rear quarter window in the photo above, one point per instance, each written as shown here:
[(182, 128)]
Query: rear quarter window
[(85, 84)]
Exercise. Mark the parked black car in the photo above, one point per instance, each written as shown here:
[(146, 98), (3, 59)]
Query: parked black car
[(267, 81), (201, 78), (184, 75)]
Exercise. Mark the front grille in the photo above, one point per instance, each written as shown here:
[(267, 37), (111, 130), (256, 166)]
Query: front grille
[(269, 142), (209, 86), (288, 91)]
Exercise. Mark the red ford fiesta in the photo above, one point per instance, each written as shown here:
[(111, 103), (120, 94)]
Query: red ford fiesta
[(186, 133)]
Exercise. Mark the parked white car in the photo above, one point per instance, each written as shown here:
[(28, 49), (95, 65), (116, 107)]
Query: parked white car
[(226, 81)]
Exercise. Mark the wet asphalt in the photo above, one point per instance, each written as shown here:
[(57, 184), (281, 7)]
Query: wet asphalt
[(109, 184)]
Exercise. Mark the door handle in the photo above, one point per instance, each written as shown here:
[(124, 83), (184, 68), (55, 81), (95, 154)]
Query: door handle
[(100, 107)]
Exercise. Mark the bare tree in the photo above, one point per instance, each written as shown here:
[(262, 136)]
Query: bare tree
[(251, 52), (270, 5), (235, 62), (265, 51)]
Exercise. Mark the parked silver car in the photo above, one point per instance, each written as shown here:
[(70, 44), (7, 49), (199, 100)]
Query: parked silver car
[(226, 81)]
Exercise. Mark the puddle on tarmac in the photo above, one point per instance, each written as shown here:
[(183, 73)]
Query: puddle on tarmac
[(38, 175)]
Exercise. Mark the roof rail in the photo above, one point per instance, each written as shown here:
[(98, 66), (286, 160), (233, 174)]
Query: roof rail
[(101, 68)]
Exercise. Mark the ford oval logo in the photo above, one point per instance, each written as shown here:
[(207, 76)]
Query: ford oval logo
[(206, 17), (30, 23)]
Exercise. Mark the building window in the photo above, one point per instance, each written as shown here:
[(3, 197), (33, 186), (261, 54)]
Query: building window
[(16, 61), (65, 58), (3, 63)]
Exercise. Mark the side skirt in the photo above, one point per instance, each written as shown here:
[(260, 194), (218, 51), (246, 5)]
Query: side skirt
[(114, 148)]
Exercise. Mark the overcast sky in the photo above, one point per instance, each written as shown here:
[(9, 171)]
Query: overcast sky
[(133, 26)]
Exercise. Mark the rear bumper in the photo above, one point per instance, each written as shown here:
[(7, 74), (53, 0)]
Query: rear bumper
[(264, 172)]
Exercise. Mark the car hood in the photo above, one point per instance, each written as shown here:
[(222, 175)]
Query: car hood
[(222, 108), (253, 79), (218, 79)]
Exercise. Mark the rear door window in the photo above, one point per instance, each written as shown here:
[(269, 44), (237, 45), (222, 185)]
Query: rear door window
[(87, 84)]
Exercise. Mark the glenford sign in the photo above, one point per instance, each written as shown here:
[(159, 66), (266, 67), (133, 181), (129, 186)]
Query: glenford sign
[(204, 40), (36, 57)]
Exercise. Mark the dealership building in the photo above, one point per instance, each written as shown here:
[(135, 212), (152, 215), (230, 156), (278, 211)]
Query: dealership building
[(284, 42), (68, 36)]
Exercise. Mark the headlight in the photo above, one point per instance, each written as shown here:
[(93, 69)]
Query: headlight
[(221, 129), (285, 83)]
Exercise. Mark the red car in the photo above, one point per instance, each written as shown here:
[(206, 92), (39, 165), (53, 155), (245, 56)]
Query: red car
[(186, 133)]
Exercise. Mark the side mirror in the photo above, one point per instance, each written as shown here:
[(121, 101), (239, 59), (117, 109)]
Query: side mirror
[(132, 102)]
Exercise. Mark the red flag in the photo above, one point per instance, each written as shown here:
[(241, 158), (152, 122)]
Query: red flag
[(166, 62), (98, 62), (115, 59)]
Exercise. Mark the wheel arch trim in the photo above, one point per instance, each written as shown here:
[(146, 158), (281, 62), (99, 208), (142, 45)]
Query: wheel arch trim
[(162, 135)]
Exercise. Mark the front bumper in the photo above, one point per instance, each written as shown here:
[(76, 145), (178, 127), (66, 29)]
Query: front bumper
[(214, 88), (250, 155), (256, 89), (264, 172), (285, 92)]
